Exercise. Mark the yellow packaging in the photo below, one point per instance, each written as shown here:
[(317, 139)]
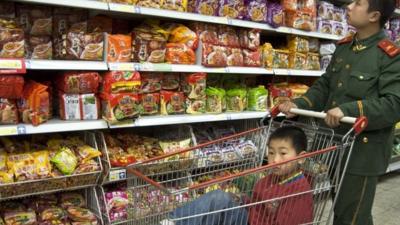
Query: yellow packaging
[(267, 55), (86, 153), (3, 161), (297, 61), (280, 59), (42, 163), (22, 165), (298, 90), (298, 44), (176, 5), (313, 61), (6, 177)]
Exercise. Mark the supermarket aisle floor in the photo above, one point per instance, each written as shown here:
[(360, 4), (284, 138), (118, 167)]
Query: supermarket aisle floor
[(386, 209)]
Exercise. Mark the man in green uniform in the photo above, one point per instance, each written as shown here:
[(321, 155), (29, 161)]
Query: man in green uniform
[(363, 79)]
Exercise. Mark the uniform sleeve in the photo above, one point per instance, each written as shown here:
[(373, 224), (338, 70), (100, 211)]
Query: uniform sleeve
[(383, 111)]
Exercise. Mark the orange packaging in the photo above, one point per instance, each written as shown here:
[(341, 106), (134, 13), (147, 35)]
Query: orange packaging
[(119, 48), (289, 4), (300, 20), (184, 35), (34, 107), (121, 82), (180, 54)]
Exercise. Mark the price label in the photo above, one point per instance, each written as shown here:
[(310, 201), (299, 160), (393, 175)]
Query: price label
[(138, 10), (7, 131), (220, 70), (116, 175), (122, 66), (147, 67), (12, 66), (162, 67), (123, 8)]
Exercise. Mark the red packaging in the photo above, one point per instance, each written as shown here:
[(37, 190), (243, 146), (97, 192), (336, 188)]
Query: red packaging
[(214, 56), (11, 86), (195, 85), (227, 36), (119, 107), (79, 106), (75, 82), (172, 102), (121, 82), (8, 111), (35, 20), (208, 33), (252, 58), (34, 107), (279, 94), (180, 54), (235, 57), (151, 103), (300, 20), (170, 81), (151, 82), (249, 39)]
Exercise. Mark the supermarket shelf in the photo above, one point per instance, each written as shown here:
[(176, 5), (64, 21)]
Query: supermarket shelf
[(52, 126), (164, 67), (87, 4), (310, 73), (183, 119), (65, 65)]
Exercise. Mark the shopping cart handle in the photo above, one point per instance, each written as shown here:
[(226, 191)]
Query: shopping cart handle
[(359, 124)]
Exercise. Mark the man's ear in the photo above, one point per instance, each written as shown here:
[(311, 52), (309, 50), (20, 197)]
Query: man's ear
[(375, 17), (301, 161)]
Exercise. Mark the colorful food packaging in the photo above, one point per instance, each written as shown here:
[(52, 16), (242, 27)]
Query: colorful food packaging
[(149, 3), (298, 44), (148, 48), (252, 58), (300, 20), (216, 102), (214, 56), (170, 81), (297, 61), (246, 149), (313, 61), (79, 106), (172, 102), (338, 28), (80, 46), (339, 14), (40, 47), (235, 57), (228, 36), (7, 10), (20, 217), (325, 26), (114, 82), (256, 10), (183, 35), (325, 10), (34, 107), (23, 166), (313, 44), (85, 153), (176, 5), (8, 112), (117, 202), (75, 82), (119, 48), (207, 7), (290, 4), (151, 82), (12, 44), (72, 199), (150, 103), (325, 60), (236, 100), (195, 85), (249, 39), (65, 160), (275, 13), (267, 56), (179, 54), (195, 106), (279, 93), (80, 214), (207, 33), (14, 81), (35, 20), (298, 90), (119, 107), (231, 9), (257, 99), (280, 59)]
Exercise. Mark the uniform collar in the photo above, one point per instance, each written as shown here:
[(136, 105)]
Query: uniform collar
[(370, 41)]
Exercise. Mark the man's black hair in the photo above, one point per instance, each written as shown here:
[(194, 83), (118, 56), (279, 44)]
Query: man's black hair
[(385, 7), (293, 134)]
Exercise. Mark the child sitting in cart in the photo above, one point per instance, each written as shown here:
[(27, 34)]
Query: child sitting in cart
[(286, 180)]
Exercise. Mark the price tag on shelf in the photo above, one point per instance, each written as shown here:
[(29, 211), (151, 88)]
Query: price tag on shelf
[(162, 67), (116, 175), (12, 66), (138, 10), (6, 131), (122, 66), (122, 7)]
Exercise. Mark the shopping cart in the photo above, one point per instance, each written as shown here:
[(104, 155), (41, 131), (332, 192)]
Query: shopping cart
[(238, 188)]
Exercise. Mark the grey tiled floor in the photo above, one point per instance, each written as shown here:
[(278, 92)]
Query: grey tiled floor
[(386, 209)]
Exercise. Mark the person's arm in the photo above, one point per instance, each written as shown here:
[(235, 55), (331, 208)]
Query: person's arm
[(383, 111)]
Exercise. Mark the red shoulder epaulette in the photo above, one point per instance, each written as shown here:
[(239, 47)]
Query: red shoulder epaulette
[(389, 47), (345, 40)]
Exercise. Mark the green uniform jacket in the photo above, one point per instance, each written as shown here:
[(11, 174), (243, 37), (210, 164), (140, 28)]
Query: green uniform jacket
[(363, 79)]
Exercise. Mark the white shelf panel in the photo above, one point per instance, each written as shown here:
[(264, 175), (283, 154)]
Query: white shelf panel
[(65, 65), (52, 126), (183, 119), (288, 72), (88, 4)]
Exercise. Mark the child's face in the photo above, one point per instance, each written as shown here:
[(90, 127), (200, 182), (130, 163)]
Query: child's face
[(280, 150)]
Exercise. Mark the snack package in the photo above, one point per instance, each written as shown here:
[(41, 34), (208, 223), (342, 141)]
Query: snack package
[(86, 153), (297, 61), (246, 149), (231, 9), (338, 28), (119, 48), (12, 44), (214, 56), (175, 145), (216, 102), (290, 4), (252, 58), (151, 82), (149, 3), (325, 10), (183, 35), (170, 81), (34, 106), (313, 44), (3, 160), (280, 59), (117, 202), (20, 217), (80, 46), (39, 47), (150, 103), (195, 85), (65, 160), (42, 163), (236, 100), (351, 31), (325, 26), (395, 25), (207, 33), (325, 60), (249, 39), (256, 10), (79, 106), (298, 44), (327, 48), (7, 10), (119, 107), (64, 18), (213, 155), (275, 14), (235, 57), (279, 93), (16, 82), (179, 54), (6, 177), (172, 102), (75, 82), (228, 36), (339, 14), (257, 99), (35, 20), (195, 106), (313, 61), (267, 55), (229, 154), (114, 82), (87, 167), (78, 214), (176, 5), (149, 43), (300, 20), (72, 199), (298, 90), (207, 7), (52, 213), (23, 166)]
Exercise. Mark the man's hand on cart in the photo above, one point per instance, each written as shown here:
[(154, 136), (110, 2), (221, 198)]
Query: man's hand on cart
[(286, 107), (333, 117)]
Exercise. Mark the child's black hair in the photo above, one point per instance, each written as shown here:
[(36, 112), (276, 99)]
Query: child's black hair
[(291, 133), (385, 7)]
